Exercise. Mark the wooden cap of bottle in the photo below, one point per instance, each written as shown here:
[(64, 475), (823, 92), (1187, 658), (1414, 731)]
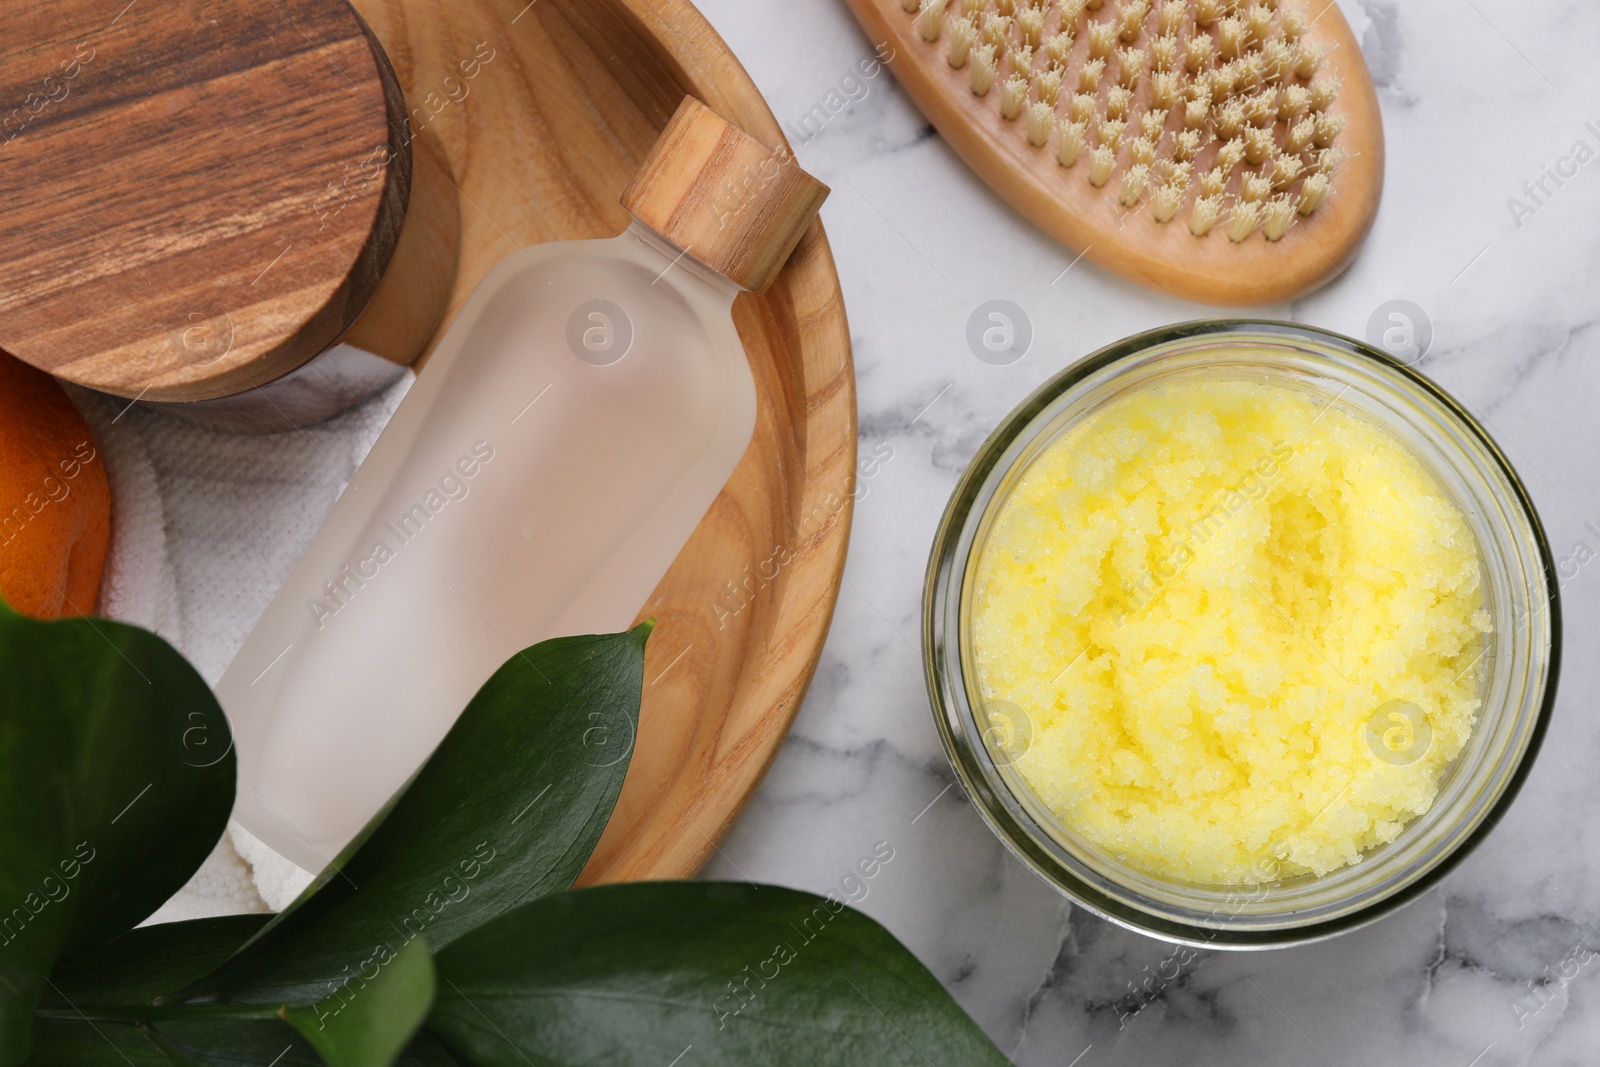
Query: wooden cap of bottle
[(723, 197), (201, 197)]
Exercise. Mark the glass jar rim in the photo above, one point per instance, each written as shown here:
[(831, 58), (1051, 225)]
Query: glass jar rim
[(975, 498)]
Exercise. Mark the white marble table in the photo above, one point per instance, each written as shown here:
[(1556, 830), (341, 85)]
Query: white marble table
[(1473, 109)]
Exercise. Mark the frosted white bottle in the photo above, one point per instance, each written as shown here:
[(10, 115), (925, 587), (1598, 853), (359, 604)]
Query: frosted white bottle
[(570, 431)]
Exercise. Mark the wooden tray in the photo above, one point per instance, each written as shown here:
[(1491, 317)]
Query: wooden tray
[(541, 142)]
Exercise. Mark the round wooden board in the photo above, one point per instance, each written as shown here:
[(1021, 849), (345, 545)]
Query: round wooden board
[(200, 197), (542, 138)]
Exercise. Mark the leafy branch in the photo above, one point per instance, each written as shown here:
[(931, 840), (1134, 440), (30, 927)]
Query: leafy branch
[(448, 932)]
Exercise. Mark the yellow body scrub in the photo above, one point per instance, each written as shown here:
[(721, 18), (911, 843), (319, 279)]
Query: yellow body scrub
[(1243, 627)]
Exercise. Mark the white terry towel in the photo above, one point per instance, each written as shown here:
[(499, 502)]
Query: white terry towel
[(206, 525)]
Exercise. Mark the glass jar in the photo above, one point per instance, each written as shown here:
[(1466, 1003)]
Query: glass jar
[(1519, 661)]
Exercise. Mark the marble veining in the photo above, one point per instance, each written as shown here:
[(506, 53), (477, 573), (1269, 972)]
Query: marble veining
[(1498, 965)]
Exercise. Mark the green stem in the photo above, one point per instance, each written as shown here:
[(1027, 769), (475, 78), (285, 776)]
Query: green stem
[(150, 1013)]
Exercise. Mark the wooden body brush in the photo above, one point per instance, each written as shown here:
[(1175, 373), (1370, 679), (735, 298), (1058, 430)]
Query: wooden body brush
[(1220, 150)]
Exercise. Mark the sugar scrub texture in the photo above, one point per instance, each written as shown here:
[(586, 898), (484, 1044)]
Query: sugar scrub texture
[(1203, 601)]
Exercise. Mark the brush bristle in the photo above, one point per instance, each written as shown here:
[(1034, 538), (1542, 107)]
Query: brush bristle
[(963, 34), (1277, 60), (1293, 104), (1089, 75), (1164, 54), (1300, 136), (1243, 220), (1204, 215), (1313, 192), (1070, 143), (1328, 129), (1229, 119), (1165, 90), (1259, 146), (1213, 104), (1308, 59), (1130, 66), (984, 70), (1134, 180), (1102, 161), (1030, 25), (1130, 18), (1173, 15), (1118, 101), (1323, 93), (1110, 133), (1285, 169), (1012, 96), (997, 30), (1293, 21), (1047, 87), (1102, 39), (1279, 215), (1041, 122)]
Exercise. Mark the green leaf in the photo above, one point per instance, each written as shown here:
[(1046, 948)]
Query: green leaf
[(231, 1043), (149, 962), (196, 1043), (226, 1043), (710, 972), (369, 1021), (506, 810), (116, 779), (91, 1010), (63, 1042)]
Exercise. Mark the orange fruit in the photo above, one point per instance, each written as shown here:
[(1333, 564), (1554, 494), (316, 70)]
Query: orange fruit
[(55, 501)]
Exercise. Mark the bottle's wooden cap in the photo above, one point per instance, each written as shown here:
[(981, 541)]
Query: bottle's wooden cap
[(722, 196), (201, 197)]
